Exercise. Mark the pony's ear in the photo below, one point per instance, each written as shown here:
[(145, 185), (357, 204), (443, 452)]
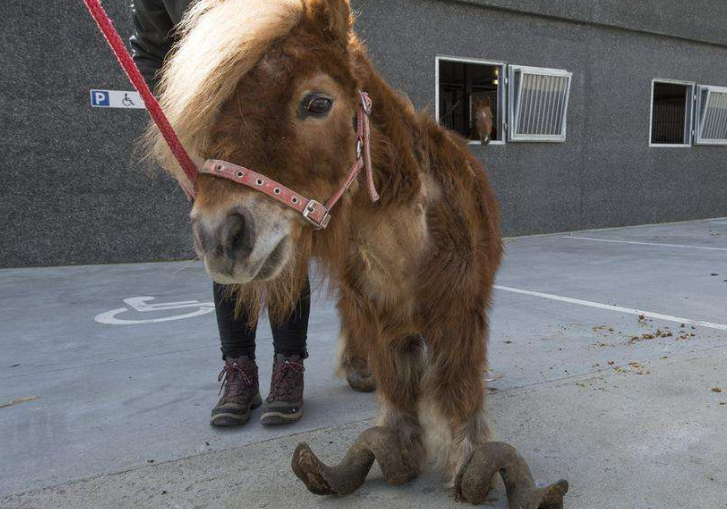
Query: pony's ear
[(333, 16)]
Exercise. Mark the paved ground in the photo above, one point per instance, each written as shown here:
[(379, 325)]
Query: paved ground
[(104, 404)]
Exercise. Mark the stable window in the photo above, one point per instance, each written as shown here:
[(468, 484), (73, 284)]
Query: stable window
[(470, 97), (671, 113), (711, 126), (538, 103)]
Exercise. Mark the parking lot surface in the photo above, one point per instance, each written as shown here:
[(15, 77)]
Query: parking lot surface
[(608, 349)]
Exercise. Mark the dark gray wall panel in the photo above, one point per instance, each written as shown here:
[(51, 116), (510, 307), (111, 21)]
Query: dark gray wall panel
[(71, 193), (699, 20)]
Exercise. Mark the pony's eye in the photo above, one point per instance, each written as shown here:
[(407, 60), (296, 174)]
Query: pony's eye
[(319, 106)]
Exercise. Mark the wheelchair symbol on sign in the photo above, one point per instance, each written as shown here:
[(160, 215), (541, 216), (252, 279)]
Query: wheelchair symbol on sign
[(126, 101), (141, 305)]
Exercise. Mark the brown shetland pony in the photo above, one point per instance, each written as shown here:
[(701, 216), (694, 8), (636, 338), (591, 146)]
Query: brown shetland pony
[(273, 85)]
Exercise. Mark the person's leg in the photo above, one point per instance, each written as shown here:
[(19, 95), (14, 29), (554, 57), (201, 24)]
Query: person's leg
[(290, 336), (237, 338), (240, 388), (285, 400)]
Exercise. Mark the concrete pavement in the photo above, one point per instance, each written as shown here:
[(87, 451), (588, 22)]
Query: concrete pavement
[(119, 411)]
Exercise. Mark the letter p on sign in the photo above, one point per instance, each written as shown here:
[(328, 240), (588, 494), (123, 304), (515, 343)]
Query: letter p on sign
[(100, 98)]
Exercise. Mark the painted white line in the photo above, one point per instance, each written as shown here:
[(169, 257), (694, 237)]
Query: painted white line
[(611, 307), (643, 243)]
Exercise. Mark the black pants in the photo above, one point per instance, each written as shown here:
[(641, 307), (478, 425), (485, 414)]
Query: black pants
[(289, 336)]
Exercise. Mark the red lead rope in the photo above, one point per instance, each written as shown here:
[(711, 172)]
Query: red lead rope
[(152, 105)]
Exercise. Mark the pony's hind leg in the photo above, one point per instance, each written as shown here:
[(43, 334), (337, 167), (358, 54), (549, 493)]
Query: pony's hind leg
[(358, 336), (353, 360)]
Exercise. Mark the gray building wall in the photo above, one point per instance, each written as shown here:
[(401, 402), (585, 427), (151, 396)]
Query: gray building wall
[(71, 191)]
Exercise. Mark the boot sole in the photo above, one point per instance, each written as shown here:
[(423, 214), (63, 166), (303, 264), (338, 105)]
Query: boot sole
[(274, 418), (228, 420)]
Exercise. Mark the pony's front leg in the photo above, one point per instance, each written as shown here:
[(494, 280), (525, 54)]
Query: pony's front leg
[(453, 404), (399, 365), (397, 443)]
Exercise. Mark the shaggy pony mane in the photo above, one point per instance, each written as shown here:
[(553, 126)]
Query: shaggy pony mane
[(219, 42)]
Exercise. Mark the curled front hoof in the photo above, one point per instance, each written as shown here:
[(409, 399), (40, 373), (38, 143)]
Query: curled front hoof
[(308, 468), (377, 443), (474, 480), (550, 497)]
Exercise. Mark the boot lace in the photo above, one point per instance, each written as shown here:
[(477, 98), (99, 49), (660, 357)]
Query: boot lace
[(285, 377), (231, 375)]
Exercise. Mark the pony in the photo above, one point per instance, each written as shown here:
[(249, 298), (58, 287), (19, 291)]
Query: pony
[(274, 85), (482, 127)]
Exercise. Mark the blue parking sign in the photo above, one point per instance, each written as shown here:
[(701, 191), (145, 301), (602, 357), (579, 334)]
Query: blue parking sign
[(100, 98)]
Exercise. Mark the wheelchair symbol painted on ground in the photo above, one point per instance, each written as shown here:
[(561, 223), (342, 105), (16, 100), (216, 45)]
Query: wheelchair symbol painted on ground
[(127, 101), (125, 315)]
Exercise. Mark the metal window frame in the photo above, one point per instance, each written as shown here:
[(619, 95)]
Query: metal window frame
[(501, 92), (513, 113), (688, 122), (698, 120)]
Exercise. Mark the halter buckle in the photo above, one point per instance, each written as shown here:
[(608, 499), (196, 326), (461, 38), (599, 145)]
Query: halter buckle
[(311, 207)]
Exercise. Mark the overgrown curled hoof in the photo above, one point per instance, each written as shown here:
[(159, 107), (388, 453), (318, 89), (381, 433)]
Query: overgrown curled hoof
[(308, 468), (474, 480), (377, 443)]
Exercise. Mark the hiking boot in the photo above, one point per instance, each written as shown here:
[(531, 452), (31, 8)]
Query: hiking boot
[(240, 393), (285, 400)]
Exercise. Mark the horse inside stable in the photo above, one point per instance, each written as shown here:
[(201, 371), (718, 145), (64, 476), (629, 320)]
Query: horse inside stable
[(275, 87), (468, 99)]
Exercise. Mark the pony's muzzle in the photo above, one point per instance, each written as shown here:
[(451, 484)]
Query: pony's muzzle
[(242, 243), (226, 242)]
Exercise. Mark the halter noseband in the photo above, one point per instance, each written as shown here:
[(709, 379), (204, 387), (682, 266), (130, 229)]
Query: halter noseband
[(316, 213)]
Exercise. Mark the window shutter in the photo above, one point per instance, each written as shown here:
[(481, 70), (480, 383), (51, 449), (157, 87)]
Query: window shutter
[(539, 104), (711, 126)]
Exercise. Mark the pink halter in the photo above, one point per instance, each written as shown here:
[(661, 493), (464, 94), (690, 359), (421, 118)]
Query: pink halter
[(313, 211)]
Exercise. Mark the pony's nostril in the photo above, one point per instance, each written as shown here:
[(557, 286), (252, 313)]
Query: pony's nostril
[(239, 234), (203, 241)]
